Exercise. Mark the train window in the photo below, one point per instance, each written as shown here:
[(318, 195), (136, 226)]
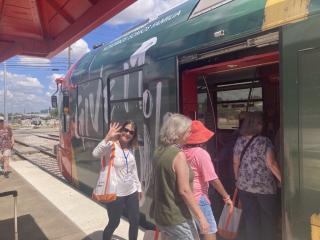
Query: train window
[(63, 116), (125, 100), (125, 95), (127, 110), (202, 107), (239, 94), (90, 109), (231, 102), (207, 5), (126, 86)]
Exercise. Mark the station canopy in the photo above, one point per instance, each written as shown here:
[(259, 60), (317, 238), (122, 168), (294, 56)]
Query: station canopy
[(43, 28)]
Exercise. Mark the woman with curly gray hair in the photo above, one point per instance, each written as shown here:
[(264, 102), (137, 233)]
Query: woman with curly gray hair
[(172, 195)]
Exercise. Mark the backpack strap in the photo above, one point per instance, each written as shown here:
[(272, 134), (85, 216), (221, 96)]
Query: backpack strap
[(112, 155), (246, 147)]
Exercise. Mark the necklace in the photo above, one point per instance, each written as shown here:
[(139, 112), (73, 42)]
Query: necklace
[(126, 158)]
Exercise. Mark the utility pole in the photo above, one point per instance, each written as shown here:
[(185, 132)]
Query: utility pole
[(69, 57), (5, 92)]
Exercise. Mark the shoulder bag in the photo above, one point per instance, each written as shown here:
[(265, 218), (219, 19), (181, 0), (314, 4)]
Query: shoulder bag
[(230, 217), (105, 190)]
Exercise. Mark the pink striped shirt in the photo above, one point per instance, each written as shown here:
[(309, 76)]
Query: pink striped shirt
[(200, 162)]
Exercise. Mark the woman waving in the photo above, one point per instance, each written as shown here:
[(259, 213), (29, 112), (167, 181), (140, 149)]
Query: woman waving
[(124, 138)]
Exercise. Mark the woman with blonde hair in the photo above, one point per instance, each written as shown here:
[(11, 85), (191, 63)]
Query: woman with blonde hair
[(256, 171), (172, 195)]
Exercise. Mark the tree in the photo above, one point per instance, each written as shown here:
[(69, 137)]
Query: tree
[(54, 113)]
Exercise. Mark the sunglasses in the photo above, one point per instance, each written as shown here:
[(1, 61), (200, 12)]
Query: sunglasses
[(126, 130)]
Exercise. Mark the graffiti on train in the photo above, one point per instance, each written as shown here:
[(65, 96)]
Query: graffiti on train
[(127, 100)]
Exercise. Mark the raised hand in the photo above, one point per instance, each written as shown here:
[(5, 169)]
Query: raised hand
[(114, 132)]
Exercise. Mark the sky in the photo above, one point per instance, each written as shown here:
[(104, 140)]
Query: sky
[(30, 81)]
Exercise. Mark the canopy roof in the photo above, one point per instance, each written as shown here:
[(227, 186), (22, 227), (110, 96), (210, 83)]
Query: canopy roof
[(42, 28)]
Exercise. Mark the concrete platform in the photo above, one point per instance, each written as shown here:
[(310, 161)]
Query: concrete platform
[(49, 209)]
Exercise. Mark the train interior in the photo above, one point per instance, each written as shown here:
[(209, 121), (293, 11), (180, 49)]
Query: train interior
[(217, 89)]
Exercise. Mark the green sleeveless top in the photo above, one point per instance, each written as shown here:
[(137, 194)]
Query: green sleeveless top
[(168, 207)]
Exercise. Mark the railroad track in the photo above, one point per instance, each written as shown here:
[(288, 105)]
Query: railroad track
[(39, 156), (49, 136), (53, 135), (41, 149)]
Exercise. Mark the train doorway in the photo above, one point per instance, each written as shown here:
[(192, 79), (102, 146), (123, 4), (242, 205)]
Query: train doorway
[(217, 92)]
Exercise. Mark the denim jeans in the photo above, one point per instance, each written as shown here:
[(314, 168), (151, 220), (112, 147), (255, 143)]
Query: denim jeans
[(206, 209), (260, 213)]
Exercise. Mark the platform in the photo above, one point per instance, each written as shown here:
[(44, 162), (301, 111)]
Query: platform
[(50, 209)]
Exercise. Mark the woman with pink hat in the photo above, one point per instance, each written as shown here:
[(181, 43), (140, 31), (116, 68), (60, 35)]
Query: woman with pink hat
[(200, 162)]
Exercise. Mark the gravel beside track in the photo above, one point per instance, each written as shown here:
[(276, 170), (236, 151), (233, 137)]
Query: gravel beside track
[(38, 150)]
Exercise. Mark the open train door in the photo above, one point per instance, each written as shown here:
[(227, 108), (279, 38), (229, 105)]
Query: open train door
[(300, 66)]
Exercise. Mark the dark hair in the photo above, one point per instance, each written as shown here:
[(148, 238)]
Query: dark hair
[(242, 116), (251, 124), (134, 141)]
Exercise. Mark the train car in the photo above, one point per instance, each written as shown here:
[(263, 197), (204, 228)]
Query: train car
[(210, 60)]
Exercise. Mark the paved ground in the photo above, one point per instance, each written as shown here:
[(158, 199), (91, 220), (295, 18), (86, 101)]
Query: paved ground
[(38, 218), (49, 209)]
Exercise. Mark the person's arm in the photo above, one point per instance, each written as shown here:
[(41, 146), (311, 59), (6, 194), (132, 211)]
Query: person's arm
[(272, 164), (11, 135), (12, 141), (102, 149), (220, 189), (181, 170), (136, 179), (209, 174), (236, 165)]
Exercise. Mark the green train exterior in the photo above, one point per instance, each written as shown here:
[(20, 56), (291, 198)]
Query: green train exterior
[(138, 76)]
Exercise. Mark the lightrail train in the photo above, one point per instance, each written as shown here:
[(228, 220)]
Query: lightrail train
[(210, 60)]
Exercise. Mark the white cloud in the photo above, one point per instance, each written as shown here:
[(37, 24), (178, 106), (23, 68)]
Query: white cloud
[(78, 49), (29, 61), (144, 9), (20, 82), (25, 93), (9, 94)]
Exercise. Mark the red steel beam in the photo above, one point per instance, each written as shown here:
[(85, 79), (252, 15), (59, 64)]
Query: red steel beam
[(93, 2), (49, 47), (1, 10), (42, 22), (10, 50), (104, 9), (60, 11), (24, 46)]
